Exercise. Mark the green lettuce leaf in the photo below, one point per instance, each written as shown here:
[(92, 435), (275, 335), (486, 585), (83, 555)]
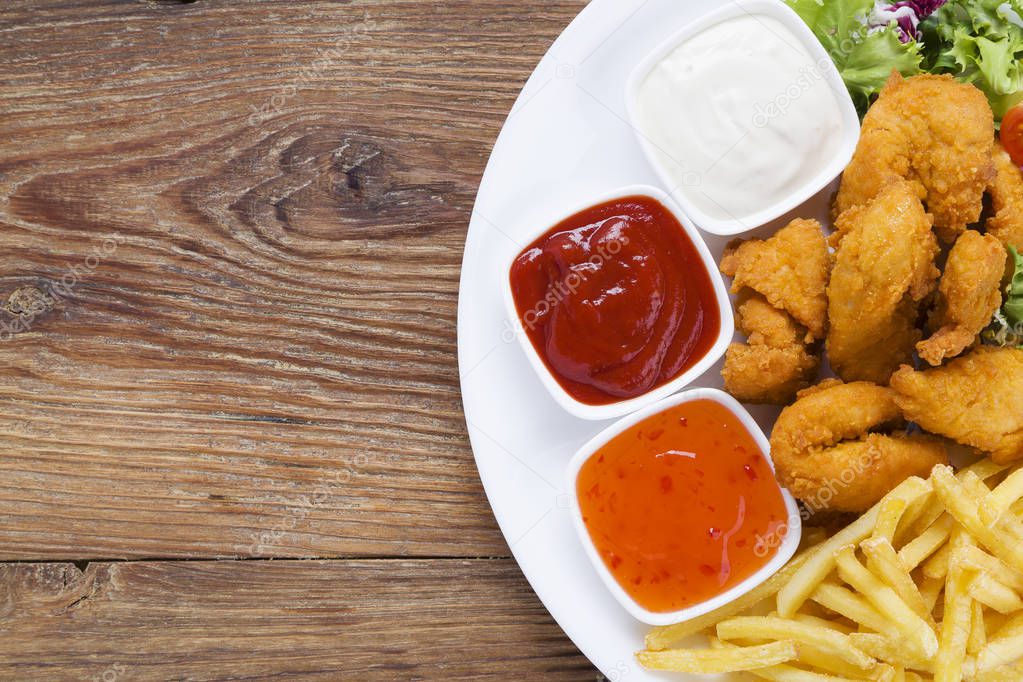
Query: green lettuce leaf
[(990, 18), (1013, 307), (1006, 329), (870, 62), (864, 59), (834, 22), (991, 65), (979, 42), (810, 12)]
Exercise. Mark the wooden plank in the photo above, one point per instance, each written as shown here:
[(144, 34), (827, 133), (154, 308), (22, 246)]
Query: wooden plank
[(230, 239), (360, 620)]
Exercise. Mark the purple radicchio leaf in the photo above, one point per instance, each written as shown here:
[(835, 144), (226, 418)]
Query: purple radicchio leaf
[(907, 15)]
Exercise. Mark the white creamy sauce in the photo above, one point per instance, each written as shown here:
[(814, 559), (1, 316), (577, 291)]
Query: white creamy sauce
[(740, 115)]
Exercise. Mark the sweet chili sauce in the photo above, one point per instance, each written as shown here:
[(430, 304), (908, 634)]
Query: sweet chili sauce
[(682, 506), (616, 300)]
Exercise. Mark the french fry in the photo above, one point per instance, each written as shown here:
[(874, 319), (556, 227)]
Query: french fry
[(888, 517), (1011, 674), (664, 636), (852, 606), (786, 673), (776, 628), (888, 673), (978, 635), (817, 568), (927, 543), (1012, 526), (916, 630), (824, 623), (984, 469), (919, 516), (1007, 524), (955, 626), (711, 661), (1000, 652), (831, 664), (890, 650), (978, 560), (993, 594), (1010, 627), (792, 595), (937, 565), (963, 507), (930, 590), (940, 596), (994, 622), (1017, 507), (883, 562), (1001, 499)]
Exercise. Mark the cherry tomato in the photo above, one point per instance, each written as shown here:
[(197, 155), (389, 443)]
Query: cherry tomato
[(1012, 134)]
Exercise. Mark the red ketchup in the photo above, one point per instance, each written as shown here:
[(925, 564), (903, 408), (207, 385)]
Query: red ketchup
[(616, 300)]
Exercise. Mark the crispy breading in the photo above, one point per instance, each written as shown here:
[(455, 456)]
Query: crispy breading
[(790, 270), (827, 452), (969, 293), (935, 132), (884, 269), (1006, 191), (976, 399), (763, 324), (774, 362), (762, 374)]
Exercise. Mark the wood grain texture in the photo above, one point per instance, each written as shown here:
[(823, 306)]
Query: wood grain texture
[(358, 620), (230, 239)]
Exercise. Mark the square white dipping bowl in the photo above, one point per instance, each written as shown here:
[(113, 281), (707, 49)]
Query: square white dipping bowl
[(617, 409), (850, 124), (787, 545)]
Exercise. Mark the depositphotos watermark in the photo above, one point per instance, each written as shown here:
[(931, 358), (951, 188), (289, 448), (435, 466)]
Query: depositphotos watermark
[(111, 674), (329, 489), (809, 76), (565, 288), (765, 544), (38, 301), (616, 674), (311, 73)]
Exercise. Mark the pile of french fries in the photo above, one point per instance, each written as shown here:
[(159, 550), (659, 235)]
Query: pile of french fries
[(924, 586)]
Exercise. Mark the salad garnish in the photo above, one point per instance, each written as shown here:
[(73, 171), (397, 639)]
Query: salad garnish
[(976, 41), (1007, 327), (864, 53)]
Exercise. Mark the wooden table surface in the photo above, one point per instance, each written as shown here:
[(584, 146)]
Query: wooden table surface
[(231, 438)]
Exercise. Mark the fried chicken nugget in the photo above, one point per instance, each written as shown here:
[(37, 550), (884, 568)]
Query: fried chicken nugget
[(1006, 191), (774, 363), (935, 132), (969, 293), (826, 454), (976, 399), (884, 269), (765, 325), (790, 270), (761, 374)]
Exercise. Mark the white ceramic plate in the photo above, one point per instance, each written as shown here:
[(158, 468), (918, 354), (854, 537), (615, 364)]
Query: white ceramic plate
[(566, 140)]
